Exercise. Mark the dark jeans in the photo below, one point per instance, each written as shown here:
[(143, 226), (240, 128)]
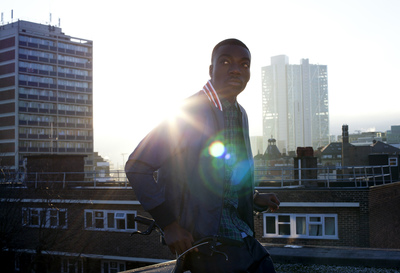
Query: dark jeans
[(250, 257)]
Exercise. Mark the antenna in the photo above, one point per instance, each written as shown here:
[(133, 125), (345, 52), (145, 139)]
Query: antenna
[(50, 19), (59, 22), (12, 15)]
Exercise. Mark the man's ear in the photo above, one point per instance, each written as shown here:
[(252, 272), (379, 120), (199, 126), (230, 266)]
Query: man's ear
[(210, 70)]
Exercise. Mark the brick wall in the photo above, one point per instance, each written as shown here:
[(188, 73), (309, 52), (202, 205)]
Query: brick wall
[(372, 224), (384, 209), (75, 239)]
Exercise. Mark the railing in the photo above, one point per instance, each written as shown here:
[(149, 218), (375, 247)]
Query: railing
[(98, 180), (356, 176), (266, 177)]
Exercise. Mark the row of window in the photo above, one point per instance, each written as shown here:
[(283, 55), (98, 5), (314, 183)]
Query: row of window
[(110, 220), (54, 119), (48, 131), (105, 220), (45, 67), (54, 106), (31, 66), (308, 226), (72, 71), (60, 144), (73, 83), (331, 156), (76, 265), (72, 59), (49, 93), (311, 226), (48, 55), (37, 53), (35, 40), (41, 217), (73, 47), (49, 80), (46, 42)]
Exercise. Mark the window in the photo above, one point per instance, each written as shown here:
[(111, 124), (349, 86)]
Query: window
[(71, 266), (308, 226), (110, 220), (393, 161), (112, 266), (17, 263), (44, 217)]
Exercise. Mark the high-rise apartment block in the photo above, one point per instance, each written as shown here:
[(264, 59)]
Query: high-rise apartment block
[(295, 104), (46, 104)]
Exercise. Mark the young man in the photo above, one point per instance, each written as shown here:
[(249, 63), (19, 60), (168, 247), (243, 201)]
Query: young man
[(205, 182)]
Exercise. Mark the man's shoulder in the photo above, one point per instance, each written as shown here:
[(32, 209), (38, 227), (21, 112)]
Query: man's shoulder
[(241, 108), (196, 102)]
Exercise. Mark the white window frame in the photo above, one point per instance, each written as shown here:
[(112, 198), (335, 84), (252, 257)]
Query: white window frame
[(17, 263), (45, 217), (292, 223), (109, 220), (108, 266), (67, 263), (392, 161)]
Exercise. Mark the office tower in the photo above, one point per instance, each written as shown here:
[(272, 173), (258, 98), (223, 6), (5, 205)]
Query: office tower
[(295, 104), (257, 145), (46, 104)]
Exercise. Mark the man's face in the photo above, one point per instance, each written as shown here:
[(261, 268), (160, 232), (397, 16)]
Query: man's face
[(230, 70)]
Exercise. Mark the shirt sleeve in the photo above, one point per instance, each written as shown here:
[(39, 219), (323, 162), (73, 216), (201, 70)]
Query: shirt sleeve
[(151, 153)]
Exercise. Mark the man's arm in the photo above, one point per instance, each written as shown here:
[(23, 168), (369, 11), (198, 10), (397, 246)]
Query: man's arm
[(147, 158), (160, 145)]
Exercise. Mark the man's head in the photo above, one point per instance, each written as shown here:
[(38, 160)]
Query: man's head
[(230, 68)]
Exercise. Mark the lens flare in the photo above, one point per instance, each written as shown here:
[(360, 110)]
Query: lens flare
[(216, 149)]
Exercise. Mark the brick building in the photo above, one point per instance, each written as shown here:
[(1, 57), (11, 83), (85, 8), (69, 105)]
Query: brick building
[(55, 224), (88, 229), (351, 217), (75, 230)]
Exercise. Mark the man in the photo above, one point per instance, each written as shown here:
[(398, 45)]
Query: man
[(205, 182)]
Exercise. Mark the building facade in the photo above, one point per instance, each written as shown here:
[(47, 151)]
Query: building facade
[(46, 88), (393, 135), (295, 104), (257, 145)]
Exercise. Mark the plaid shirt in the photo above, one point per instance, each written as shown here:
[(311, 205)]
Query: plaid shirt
[(231, 225)]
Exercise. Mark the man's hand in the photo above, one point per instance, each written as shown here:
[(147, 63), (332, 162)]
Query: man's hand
[(177, 238), (267, 199)]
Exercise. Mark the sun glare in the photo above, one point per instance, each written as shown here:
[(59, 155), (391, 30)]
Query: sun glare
[(216, 149)]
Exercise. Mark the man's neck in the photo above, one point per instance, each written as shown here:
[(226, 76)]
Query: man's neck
[(231, 100)]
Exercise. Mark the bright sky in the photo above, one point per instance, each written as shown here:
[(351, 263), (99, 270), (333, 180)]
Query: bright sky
[(149, 55)]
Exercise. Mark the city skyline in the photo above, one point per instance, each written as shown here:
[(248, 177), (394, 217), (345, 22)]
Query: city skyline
[(150, 56)]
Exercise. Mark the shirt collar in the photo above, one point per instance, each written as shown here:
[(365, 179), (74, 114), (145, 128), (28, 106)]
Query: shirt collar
[(212, 95)]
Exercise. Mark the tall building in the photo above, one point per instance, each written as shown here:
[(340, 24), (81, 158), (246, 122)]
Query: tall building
[(46, 104), (257, 145), (393, 135), (295, 104)]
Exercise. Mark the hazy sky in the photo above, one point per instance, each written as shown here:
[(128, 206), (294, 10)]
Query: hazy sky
[(149, 55)]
